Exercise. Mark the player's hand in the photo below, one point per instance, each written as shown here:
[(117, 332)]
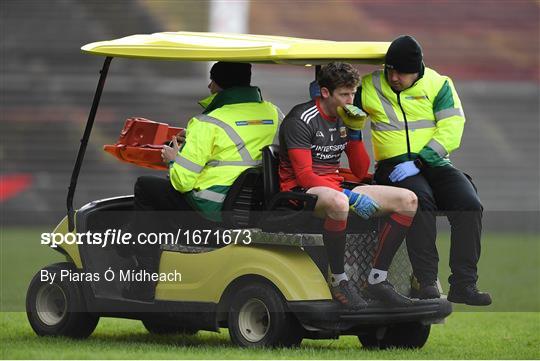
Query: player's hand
[(168, 154), (403, 171), (353, 117)]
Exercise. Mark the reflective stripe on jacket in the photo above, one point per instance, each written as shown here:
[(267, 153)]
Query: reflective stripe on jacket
[(219, 146), (432, 109)]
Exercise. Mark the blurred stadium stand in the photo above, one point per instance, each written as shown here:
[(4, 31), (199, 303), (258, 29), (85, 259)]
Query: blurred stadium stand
[(490, 49)]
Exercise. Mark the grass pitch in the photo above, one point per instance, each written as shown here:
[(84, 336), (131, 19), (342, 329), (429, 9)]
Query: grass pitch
[(508, 269), (466, 335)]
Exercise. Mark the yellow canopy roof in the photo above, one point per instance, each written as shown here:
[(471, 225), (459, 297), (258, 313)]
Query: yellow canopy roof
[(193, 46)]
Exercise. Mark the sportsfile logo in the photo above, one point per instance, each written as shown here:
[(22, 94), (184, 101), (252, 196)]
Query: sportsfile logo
[(121, 238)]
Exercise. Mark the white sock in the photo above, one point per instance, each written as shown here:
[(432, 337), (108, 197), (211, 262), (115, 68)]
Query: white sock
[(377, 276), (336, 278)]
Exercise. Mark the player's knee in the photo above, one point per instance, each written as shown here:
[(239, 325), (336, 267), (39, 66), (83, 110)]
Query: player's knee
[(411, 201), (338, 203), (408, 202)]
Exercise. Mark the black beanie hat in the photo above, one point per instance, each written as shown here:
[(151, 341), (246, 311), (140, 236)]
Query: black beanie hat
[(227, 75), (404, 55)]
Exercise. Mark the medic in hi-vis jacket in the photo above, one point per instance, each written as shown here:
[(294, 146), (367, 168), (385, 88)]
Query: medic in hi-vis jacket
[(416, 121)]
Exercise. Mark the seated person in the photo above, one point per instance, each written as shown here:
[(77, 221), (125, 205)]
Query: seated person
[(219, 145), (312, 138)]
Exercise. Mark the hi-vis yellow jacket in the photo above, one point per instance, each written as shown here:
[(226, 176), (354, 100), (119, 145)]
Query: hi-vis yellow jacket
[(221, 143), (433, 112)]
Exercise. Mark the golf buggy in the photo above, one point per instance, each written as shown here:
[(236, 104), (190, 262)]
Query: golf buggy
[(270, 291)]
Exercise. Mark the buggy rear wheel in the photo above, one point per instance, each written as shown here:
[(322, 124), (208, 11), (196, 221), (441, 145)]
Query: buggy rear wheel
[(258, 317), (403, 335)]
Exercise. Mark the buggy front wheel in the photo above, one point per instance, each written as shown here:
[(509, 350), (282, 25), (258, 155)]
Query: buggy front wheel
[(57, 308)]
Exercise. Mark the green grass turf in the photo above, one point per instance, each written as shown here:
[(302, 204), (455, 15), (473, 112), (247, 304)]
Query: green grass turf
[(508, 269), (466, 335)]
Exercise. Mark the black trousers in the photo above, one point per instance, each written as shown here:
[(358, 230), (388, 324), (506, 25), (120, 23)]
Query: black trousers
[(156, 193), (442, 189), (160, 208)]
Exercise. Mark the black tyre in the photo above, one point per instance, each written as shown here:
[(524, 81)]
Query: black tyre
[(403, 335), (369, 339), (57, 308), (166, 328), (258, 317)]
